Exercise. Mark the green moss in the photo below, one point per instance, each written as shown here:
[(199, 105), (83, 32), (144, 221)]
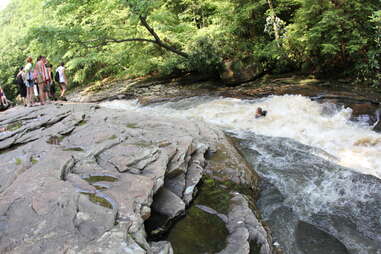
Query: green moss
[(198, 232), (18, 161), (14, 126), (33, 161), (100, 201), (113, 137), (96, 199), (132, 125), (100, 178), (81, 123), (214, 196)]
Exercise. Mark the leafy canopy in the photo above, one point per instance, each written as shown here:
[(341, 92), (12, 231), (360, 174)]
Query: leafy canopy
[(127, 38)]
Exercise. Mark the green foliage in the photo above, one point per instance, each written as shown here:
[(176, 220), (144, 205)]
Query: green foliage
[(318, 36), (333, 36), (205, 55)]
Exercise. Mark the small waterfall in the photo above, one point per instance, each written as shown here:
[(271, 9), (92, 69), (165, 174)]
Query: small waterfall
[(325, 126), (320, 170)]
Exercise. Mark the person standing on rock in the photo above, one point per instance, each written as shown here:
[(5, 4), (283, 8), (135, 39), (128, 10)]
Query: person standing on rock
[(50, 85), (62, 79), (42, 78), (3, 98), (28, 81), (20, 82)]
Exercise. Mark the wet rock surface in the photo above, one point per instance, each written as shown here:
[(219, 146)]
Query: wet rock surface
[(78, 178), (313, 205)]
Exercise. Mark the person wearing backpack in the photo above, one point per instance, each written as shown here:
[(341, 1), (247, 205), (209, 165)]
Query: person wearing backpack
[(28, 81), (51, 86), (61, 79)]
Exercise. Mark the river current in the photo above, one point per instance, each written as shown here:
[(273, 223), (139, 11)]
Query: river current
[(325, 126), (320, 169)]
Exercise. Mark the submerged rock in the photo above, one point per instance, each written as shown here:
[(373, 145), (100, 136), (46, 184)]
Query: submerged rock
[(313, 205)]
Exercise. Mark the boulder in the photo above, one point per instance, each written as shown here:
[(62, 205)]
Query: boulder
[(82, 179), (235, 72)]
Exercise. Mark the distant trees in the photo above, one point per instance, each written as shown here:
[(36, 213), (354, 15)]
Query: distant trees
[(102, 38)]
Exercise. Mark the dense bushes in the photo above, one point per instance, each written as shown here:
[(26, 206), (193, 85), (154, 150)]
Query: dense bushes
[(128, 38)]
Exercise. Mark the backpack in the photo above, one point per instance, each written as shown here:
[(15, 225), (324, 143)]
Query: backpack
[(57, 77)]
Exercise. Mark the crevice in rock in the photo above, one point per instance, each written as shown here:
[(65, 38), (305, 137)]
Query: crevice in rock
[(12, 147), (66, 168), (193, 229)]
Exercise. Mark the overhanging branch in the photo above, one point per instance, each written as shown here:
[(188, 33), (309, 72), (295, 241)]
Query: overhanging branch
[(158, 41), (144, 23)]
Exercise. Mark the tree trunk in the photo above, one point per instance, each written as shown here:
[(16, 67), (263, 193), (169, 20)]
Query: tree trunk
[(276, 29)]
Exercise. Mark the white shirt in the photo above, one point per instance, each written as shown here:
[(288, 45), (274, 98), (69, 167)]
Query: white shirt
[(61, 71)]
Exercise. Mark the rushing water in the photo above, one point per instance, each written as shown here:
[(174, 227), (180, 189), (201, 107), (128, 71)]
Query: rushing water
[(347, 143), (321, 171)]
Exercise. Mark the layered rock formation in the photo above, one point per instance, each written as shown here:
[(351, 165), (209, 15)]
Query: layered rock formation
[(78, 178)]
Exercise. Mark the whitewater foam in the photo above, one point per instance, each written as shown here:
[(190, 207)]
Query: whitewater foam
[(350, 144)]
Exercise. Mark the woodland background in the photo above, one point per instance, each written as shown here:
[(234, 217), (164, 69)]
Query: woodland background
[(98, 39)]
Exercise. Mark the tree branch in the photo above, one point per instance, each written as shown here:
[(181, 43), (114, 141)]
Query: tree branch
[(158, 41), (111, 40), (144, 23)]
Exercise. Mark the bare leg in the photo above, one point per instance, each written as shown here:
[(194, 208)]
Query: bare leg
[(29, 94), (63, 89), (41, 87)]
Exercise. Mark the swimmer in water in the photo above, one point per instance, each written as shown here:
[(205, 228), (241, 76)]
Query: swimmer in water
[(260, 113)]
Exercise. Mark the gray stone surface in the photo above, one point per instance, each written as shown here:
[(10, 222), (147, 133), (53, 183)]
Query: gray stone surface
[(168, 203), (78, 178), (244, 229)]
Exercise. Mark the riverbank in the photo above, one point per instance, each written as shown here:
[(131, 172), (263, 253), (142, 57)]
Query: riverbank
[(119, 164), (362, 99)]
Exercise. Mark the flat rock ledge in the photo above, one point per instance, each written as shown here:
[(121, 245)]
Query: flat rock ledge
[(77, 178)]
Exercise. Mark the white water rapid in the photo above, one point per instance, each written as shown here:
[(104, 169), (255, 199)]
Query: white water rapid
[(351, 144)]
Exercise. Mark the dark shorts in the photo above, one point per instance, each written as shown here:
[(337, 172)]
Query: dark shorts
[(62, 85), (29, 83), (22, 90)]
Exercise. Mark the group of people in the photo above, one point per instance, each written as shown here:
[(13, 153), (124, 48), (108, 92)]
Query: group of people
[(38, 81)]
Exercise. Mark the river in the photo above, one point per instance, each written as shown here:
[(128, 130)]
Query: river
[(350, 144), (321, 170)]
